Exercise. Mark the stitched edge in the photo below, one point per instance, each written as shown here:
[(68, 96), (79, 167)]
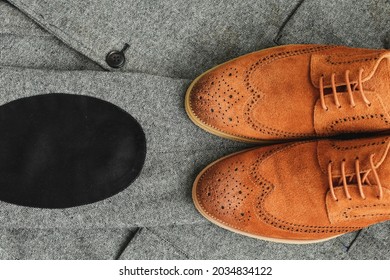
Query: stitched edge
[(333, 144), (168, 242), (329, 126), (355, 118), (329, 60), (346, 148), (349, 209)]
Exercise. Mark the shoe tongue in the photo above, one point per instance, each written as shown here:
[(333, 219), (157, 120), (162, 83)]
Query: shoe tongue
[(343, 60), (338, 150)]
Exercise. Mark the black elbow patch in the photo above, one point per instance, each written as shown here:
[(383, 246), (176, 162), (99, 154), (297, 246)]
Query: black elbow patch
[(63, 150)]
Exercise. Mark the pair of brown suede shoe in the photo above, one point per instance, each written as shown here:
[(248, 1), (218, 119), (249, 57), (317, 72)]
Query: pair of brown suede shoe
[(296, 192)]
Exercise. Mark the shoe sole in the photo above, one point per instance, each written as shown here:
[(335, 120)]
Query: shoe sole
[(218, 223), (210, 129)]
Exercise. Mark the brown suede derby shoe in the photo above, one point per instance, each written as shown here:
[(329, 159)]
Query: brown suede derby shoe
[(299, 192), (294, 91)]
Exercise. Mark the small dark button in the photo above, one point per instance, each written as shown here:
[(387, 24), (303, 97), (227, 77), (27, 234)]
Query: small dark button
[(116, 59)]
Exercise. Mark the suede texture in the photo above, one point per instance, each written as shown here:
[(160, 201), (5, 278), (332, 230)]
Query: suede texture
[(282, 192), (276, 94), (175, 38)]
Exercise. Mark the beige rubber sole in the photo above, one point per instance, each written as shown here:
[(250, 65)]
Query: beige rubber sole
[(218, 223)]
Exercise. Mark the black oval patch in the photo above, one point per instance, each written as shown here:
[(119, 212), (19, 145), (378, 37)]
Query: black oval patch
[(63, 150)]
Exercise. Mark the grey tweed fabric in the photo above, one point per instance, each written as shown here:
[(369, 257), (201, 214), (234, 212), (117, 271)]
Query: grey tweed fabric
[(176, 38), (364, 24), (25, 44), (372, 243), (60, 46), (54, 243), (207, 241)]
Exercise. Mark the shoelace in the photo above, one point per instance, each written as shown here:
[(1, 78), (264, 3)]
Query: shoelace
[(359, 85), (361, 178)]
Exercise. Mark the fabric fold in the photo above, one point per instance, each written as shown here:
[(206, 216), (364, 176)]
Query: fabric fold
[(149, 245)]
